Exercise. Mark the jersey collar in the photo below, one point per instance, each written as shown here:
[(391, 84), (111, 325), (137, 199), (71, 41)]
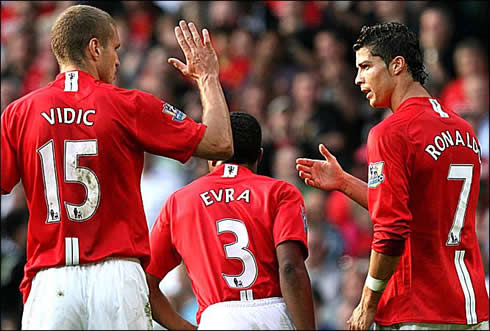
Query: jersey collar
[(413, 100), (230, 170), (81, 74)]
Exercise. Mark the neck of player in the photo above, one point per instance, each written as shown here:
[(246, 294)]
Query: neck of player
[(90, 69), (407, 89)]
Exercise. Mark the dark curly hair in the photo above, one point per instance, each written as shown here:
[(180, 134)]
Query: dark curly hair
[(247, 138), (389, 40)]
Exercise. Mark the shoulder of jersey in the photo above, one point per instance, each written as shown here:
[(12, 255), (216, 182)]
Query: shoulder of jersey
[(395, 121), (30, 95), (203, 182)]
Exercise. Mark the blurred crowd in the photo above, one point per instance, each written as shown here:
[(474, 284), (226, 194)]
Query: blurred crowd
[(291, 65)]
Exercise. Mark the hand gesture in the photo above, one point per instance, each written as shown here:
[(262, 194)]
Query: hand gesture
[(201, 59), (326, 175)]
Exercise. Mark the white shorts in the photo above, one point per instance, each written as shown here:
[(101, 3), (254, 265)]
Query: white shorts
[(261, 314), (432, 326), (111, 294)]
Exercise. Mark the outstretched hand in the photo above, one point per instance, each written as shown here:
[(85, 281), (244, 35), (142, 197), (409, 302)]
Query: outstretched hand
[(326, 175), (201, 59)]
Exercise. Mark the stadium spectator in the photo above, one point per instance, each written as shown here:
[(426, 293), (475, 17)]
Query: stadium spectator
[(422, 194), (436, 41), (469, 58), (78, 146), (246, 263)]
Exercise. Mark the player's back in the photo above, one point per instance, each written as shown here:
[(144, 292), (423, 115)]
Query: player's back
[(440, 278), (80, 156), (226, 226)]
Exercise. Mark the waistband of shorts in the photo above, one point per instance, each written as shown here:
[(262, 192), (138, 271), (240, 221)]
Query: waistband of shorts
[(107, 259), (248, 303), (130, 259)]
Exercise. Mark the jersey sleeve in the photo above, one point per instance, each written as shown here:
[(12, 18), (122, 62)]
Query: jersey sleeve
[(10, 171), (290, 217), (164, 256), (163, 129), (388, 197)]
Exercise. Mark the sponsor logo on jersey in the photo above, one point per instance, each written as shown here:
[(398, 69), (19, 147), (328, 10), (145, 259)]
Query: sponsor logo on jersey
[(376, 176), (176, 114)]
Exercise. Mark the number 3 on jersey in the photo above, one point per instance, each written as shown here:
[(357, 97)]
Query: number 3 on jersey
[(238, 250), (72, 174)]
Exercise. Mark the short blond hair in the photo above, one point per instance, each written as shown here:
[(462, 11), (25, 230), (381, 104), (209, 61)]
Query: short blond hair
[(73, 30)]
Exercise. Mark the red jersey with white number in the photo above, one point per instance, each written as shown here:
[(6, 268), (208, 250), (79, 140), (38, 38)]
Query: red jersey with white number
[(226, 227), (424, 181), (78, 147)]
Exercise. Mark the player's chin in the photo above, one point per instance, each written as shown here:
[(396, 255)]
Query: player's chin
[(376, 104)]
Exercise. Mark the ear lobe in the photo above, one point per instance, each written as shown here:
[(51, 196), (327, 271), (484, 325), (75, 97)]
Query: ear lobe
[(398, 65)]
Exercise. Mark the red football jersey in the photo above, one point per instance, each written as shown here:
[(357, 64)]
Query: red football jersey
[(226, 227), (78, 146), (424, 181)]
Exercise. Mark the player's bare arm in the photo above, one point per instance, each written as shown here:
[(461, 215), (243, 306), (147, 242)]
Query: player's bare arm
[(295, 284), (203, 68), (162, 311), (328, 175), (381, 268)]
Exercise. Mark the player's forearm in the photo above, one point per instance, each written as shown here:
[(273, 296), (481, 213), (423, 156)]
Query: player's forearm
[(217, 143), (355, 189), (381, 267), (163, 312), (297, 293)]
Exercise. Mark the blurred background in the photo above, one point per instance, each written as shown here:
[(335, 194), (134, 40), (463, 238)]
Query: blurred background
[(291, 65)]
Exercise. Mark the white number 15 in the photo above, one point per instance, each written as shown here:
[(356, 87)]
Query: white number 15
[(73, 173)]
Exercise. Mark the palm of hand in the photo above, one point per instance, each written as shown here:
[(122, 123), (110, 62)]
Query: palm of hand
[(201, 62), (326, 174)]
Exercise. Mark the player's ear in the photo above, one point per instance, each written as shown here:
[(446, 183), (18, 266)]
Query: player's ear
[(212, 164), (94, 48), (261, 155), (397, 65)]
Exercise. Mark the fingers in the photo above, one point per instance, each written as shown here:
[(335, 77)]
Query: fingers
[(306, 162), (300, 167), (349, 323), (187, 35), (304, 174), (207, 39), (324, 151), (310, 182), (181, 40), (177, 64), (195, 35)]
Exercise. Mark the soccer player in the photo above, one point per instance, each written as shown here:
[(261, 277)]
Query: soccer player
[(78, 146), (242, 238), (422, 192)]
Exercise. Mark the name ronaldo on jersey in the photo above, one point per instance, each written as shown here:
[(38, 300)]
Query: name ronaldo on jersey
[(448, 139)]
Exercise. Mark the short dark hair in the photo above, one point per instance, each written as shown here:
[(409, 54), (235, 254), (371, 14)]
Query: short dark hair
[(75, 27), (247, 138), (389, 40)]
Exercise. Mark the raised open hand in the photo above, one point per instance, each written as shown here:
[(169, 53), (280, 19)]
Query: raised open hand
[(325, 175), (201, 59)]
